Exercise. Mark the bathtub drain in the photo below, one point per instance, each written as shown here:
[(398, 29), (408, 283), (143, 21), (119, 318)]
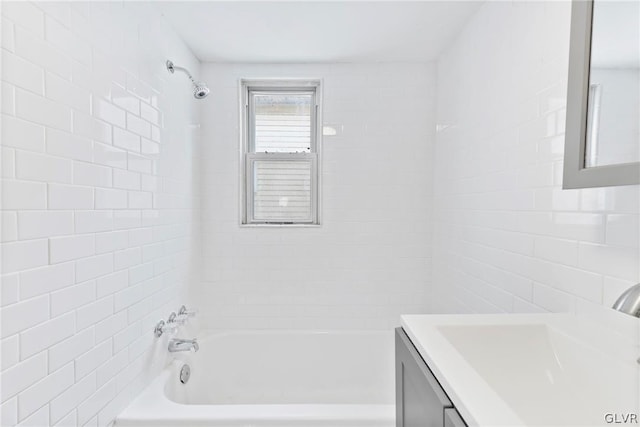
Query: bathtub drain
[(185, 374)]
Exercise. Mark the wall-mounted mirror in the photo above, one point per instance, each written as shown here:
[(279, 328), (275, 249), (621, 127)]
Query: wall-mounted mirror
[(602, 146)]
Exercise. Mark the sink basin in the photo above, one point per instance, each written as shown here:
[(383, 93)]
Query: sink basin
[(534, 366)]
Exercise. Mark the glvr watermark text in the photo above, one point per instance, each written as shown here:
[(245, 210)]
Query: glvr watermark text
[(621, 418)]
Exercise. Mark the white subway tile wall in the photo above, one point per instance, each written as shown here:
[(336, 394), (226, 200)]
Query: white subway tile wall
[(368, 262), (101, 198), (98, 199), (507, 238)]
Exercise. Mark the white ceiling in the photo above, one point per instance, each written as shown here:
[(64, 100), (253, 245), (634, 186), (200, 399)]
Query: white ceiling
[(317, 31)]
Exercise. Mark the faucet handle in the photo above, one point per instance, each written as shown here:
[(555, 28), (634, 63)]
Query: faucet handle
[(185, 314), (164, 327)]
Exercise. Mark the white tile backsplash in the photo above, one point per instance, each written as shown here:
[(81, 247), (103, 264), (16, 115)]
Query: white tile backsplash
[(70, 248), (9, 412), (37, 224), (434, 197), (22, 255), (92, 175), (72, 397), (9, 352), (369, 260), (80, 86), (96, 402), (22, 134), (43, 391), (92, 267), (47, 279), (33, 48), (22, 74), (72, 297), (70, 349), (110, 199), (21, 375), (68, 421), (94, 312), (501, 217), (8, 162), (69, 197), (46, 335), (19, 195), (7, 36), (34, 108), (37, 419)]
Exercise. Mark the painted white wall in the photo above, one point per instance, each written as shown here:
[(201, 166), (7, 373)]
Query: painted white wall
[(507, 238), (97, 205), (369, 260)]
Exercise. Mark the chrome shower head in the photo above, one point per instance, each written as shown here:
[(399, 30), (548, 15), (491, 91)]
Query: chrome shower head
[(200, 89)]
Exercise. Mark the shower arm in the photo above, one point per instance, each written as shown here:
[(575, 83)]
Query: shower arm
[(200, 89), (172, 68)]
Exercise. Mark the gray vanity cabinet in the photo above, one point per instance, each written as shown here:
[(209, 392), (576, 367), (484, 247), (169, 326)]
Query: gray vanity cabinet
[(420, 401)]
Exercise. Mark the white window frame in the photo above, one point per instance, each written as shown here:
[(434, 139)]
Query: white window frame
[(248, 157)]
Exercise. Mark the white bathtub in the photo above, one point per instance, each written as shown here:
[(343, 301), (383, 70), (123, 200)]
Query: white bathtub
[(275, 378)]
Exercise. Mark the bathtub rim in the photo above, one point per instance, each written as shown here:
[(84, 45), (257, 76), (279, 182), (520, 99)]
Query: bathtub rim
[(208, 334), (153, 407)]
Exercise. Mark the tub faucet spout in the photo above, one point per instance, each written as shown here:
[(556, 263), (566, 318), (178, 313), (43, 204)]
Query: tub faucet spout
[(177, 344)]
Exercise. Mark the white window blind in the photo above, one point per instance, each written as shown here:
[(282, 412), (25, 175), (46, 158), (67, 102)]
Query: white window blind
[(280, 155), (282, 190)]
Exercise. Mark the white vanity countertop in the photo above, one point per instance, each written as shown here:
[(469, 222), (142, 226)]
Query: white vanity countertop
[(532, 369)]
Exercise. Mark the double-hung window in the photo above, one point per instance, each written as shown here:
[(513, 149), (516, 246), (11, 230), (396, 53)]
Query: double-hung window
[(280, 152)]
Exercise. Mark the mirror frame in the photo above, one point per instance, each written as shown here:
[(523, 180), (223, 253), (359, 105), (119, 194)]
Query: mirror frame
[(576, 174)]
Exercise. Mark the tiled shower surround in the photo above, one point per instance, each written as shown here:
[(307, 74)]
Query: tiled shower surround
[(98, 203), (441, 192), (369, 261), (507, 238)]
